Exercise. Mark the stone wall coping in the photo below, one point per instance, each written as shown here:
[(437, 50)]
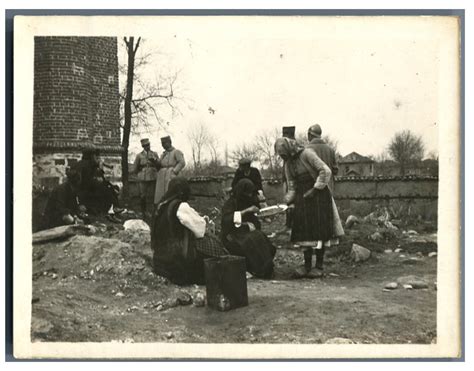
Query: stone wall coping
[(380, 178)]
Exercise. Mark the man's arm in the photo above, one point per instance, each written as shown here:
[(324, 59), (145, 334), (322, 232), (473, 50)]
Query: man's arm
[(180, 162), (324, 172), (136, 165)]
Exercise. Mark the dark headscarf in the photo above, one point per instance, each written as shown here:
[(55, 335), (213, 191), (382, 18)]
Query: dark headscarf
[(245, 194), (165, 222), (288, 147), (178, 189)]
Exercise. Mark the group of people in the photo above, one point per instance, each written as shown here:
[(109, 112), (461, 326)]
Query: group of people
[(85, 192), (155, 172), (181, 239)]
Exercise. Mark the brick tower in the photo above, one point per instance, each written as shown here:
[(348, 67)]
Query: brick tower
[(76, 104)]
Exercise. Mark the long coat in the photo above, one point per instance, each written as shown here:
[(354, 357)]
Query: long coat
[(328, 155), (171, 164)]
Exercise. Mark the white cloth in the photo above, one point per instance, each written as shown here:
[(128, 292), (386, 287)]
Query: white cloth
[(237, 219), (190, 218)]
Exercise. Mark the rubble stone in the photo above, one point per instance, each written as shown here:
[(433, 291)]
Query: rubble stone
[(359, 253), (413, 281), (376, 237), (351, 220), (391, 286), (199, 300), (184, 299)]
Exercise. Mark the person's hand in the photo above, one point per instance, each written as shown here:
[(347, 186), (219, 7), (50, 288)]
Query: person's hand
[(309, 193), (252, 209), (251, 227), (289, 197), (68, 219)]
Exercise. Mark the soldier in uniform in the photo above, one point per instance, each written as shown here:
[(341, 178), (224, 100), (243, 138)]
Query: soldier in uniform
[(146, 172)]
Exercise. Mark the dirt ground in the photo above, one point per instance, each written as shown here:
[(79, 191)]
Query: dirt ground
[(102, 288)]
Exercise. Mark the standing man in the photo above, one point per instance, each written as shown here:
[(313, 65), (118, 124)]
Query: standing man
[(169, 165), (146, 173), (324, 152), (251, 173)]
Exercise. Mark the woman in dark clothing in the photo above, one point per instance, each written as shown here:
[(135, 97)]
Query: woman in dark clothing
[(178, 237), (316, 220), (96, 192), (241, 233), (63, 207)]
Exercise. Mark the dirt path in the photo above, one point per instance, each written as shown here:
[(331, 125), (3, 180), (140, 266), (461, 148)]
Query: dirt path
[(85, 293)]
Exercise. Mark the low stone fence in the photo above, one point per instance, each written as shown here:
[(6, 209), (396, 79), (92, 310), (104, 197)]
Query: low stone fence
[(404, 196)]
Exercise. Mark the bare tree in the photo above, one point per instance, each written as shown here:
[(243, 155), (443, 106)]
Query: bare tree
[(140, 99), (406, 147), (199, 137), (302, 138), (243, 150), (213, 146), (333, 143), (265, 150), (432, 155), (381, 157)]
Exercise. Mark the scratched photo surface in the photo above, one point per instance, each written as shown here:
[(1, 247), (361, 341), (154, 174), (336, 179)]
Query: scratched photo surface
[(239, 181)]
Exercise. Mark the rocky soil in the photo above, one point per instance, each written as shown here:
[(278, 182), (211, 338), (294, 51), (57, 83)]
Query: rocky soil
[(101, 287)]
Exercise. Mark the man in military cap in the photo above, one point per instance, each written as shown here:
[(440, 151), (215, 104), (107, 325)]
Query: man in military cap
[(169, 165), (288, 132), (323, 150), (144, 167)]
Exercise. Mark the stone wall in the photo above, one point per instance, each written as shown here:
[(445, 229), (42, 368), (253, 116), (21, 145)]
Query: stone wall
[(406, 196), (49, 170)]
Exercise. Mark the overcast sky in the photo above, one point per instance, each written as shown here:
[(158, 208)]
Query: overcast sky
[(362, 82)]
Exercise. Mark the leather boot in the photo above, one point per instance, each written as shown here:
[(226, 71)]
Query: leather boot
[(320, 258), (308, 257)]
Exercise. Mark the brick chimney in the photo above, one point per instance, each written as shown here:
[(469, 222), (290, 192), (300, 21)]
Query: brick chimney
[(76, 104)]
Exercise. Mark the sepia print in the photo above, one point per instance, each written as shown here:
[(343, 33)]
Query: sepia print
[(216, 187)]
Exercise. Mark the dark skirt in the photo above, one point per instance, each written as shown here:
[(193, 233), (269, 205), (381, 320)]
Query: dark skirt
[(185, 268), (312, 217), (257, 250)]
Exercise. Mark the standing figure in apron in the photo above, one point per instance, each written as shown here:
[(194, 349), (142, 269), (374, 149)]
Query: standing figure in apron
[(169, 166)]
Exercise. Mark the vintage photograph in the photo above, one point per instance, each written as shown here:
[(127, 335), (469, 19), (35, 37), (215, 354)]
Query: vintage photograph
[(239, 180)]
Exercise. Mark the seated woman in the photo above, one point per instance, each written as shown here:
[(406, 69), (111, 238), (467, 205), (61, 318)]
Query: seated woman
[(95, 191), (178, 237), (62, 207), (241, 233)]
